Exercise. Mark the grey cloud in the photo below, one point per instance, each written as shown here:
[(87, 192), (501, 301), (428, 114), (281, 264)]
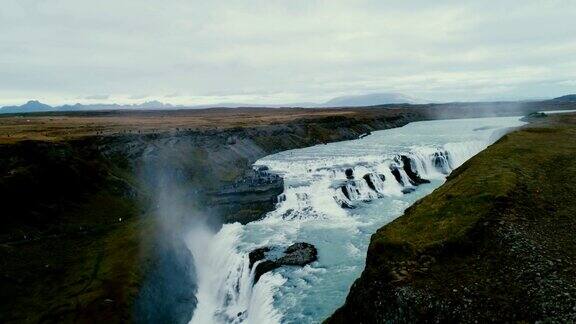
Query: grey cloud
[(139, 96), (97, 97), (294, 50)]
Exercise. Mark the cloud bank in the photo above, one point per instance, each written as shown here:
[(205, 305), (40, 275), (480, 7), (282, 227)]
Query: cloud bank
[(271, 51)]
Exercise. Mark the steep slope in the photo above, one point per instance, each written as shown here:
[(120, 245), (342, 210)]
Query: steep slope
[(495, 243)]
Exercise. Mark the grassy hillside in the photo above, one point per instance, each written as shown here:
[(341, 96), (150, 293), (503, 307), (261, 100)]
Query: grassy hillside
[(69, 240), (494, 243)]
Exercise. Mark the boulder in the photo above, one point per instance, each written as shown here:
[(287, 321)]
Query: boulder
[(345, 192), (257, 255), (297, 254), (412, 174), (263, 267), (349, 173), (408, 190)]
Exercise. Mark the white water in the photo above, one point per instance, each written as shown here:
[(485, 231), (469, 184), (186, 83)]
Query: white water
[(310, 211)]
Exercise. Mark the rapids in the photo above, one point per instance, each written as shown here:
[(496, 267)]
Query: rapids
[(332, 208)]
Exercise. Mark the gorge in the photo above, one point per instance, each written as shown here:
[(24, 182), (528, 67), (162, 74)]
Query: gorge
[(117, 218), (335, 196)]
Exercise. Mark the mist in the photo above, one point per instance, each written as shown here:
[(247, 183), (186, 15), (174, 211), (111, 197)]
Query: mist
[(179, 221)]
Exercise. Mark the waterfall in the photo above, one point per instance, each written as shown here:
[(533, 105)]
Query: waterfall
[(327, 199), (225, 291)]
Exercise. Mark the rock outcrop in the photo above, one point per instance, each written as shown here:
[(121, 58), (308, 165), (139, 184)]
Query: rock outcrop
[(297, 254), (412, 173)]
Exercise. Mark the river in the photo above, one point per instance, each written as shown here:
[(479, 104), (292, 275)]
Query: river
[(335, 197)]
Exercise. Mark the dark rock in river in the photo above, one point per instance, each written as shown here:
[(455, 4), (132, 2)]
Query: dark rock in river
[(412, 173), (297, 254), (349, 173), (249, 198), (369, 182), (263, 267), (257, 255), (408, 190), (396, 173), (345, 192)]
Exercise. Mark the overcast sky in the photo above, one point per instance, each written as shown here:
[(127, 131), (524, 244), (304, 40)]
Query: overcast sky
[(269, 51)]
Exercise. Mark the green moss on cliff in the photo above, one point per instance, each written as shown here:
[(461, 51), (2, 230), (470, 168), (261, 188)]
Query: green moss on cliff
[(71, 241)]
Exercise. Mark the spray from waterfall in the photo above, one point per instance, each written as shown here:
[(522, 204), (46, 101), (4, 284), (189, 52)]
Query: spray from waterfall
[(169, 291)]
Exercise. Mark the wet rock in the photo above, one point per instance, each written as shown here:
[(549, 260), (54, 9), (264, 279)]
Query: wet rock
[(369, 182), (345, 192), (408, 190), (415, 179), (396, 173), (257, 255), (368, 178), (263, 267), (261, 168), (347, 205), (297, 254), (349, 173), (248, 198), (364, 134)]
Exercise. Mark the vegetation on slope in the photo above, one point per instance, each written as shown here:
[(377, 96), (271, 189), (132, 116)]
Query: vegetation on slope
[(494, 243), (69, 242)]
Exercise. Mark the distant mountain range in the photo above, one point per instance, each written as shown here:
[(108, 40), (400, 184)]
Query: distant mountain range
[(36, 106), (567, 98), (30, 106), (344, 101), (371, 100)]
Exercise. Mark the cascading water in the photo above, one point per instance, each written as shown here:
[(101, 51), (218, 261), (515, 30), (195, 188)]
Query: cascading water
[(335, 197)]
